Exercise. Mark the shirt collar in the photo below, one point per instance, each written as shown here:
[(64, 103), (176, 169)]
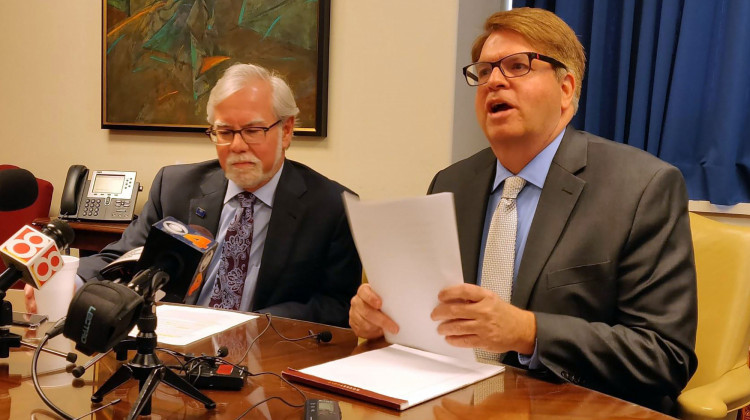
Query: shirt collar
[(535, 172), (265, 193)]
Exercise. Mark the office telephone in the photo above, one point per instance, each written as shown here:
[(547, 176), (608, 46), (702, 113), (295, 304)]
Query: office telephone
[(107, 196)]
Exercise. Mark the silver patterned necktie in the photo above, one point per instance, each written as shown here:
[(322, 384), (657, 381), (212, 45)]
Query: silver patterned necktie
[(235, 256), (500, 250)]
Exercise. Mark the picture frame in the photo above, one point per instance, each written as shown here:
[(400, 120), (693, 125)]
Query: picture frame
[(160, 58)]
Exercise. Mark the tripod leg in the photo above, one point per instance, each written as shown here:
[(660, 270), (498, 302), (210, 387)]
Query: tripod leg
[(176, 382), (123, 374), (148, 386)]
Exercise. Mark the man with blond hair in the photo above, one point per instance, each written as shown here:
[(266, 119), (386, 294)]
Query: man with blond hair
[(576, 251), (284, 241)]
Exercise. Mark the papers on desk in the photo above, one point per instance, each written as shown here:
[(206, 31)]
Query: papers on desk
[(409, 250), (180, 325), (397, 377)]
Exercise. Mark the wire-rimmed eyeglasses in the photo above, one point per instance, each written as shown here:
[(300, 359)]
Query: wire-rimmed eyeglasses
[(514, 65)]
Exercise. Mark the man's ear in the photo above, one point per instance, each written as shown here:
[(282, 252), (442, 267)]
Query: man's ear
[(287, 132), (567, 91)]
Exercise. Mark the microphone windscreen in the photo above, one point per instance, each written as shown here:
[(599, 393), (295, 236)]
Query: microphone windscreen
[(222, 352), (18, 189), (182, 252), (325, 336), (61, 232)]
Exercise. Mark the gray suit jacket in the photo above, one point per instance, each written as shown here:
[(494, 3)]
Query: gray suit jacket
[(608, 266), (310, 268)]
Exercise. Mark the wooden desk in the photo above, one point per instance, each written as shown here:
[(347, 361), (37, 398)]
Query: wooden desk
[(91, 236), (512, 394)]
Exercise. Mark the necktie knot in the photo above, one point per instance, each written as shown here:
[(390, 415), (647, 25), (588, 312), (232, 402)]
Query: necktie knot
[(247, 199), (512, 186)]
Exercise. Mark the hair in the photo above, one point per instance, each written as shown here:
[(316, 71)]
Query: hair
[(546, 33), (238, 76)]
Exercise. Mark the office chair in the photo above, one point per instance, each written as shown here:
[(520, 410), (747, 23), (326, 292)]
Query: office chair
[(721, 385), (11, 221)]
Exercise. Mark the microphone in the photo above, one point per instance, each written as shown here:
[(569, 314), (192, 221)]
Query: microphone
[(324, 336), (321, 337), (181, 251), (100, 315), (222, 352), (34, 256), (175, 257), (18, 189)]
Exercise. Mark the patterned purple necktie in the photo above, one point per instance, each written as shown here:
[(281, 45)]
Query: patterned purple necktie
[(235, 256)]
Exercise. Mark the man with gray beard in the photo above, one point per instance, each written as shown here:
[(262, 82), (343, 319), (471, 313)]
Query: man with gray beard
[(284, 240)]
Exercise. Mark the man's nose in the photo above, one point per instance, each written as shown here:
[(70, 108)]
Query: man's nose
[(497, 78), (238, 144)]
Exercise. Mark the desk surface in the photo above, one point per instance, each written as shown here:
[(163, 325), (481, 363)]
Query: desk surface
[(512, 394)]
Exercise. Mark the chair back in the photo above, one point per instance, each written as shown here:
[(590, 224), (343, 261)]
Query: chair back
[(722, 262)]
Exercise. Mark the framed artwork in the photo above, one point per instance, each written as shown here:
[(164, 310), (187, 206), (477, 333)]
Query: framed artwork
[(160, 58)]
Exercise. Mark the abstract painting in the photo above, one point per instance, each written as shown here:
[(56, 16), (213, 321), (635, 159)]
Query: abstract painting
[(160, 58)]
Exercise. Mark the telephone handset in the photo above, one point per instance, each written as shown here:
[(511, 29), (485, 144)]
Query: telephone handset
[(107, 196)]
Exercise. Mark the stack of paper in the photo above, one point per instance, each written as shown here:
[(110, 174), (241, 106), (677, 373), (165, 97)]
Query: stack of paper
[(395, 376)]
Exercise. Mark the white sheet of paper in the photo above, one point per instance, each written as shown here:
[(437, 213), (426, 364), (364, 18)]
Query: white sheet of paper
[(405, 373), (409, 250), (180, 325)]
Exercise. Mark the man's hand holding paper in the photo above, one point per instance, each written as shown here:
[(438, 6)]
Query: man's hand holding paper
[(472, 316)]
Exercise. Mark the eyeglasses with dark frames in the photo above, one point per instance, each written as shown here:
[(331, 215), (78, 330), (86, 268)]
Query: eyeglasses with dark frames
[(250, 135), (514, 65)]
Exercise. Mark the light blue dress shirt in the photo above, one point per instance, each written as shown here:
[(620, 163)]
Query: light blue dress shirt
[(535, 172), (261, 217)]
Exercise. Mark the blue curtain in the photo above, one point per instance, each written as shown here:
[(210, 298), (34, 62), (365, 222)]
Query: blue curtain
[(671, 77)]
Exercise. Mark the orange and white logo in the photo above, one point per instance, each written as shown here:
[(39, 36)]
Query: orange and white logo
[(32, 249)]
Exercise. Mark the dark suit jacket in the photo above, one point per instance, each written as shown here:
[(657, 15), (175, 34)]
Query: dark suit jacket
[(309, 269), (608, 266)]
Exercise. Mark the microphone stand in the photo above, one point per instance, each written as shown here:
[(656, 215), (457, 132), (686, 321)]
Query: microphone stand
[(146, 366)]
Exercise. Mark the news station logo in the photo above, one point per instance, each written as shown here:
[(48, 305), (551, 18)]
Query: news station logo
[(32, 249)]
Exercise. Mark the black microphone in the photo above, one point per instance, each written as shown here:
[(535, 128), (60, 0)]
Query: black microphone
[(222, 352), (101, 314), (325, 336), (34, 256), (181, 251), (321, 337), (174, 259), (18, 189)]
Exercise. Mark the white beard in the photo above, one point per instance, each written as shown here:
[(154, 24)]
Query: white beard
[(255, 176)]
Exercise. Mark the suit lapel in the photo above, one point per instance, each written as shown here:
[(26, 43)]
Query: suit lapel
[(561, 191), (206, 210), (286, 217), (471, 205)]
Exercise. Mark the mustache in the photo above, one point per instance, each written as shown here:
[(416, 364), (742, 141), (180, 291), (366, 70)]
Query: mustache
[(231, 160)]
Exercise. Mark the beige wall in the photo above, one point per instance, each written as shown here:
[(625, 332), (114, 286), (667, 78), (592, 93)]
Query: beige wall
[(390, 99)]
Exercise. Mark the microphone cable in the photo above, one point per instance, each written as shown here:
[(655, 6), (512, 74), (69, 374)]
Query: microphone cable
[(55, 330), (35, 379), (323, 336)]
